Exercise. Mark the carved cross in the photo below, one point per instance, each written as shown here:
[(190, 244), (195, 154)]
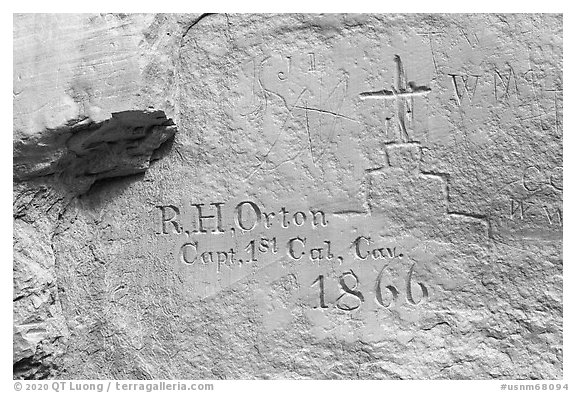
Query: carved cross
[(401, 93)]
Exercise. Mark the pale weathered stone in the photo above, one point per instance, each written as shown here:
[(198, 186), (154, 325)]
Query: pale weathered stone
[(381, 196)]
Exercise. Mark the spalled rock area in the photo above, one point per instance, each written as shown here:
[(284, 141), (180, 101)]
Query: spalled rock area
[(83, 152), (228, 196), (81, 115), (49, 174)]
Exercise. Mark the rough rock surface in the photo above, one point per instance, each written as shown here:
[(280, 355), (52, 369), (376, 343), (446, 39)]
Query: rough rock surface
[(288, 196)]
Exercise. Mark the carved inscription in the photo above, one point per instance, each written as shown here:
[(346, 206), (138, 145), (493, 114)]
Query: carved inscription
[(385, 295), (312, 58), (534, 178), (532, 206), (229, 236), (283, 75), (505, 85), (540, 200), (464, 87)]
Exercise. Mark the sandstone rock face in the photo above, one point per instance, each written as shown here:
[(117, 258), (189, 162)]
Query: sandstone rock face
[(288, 196)]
